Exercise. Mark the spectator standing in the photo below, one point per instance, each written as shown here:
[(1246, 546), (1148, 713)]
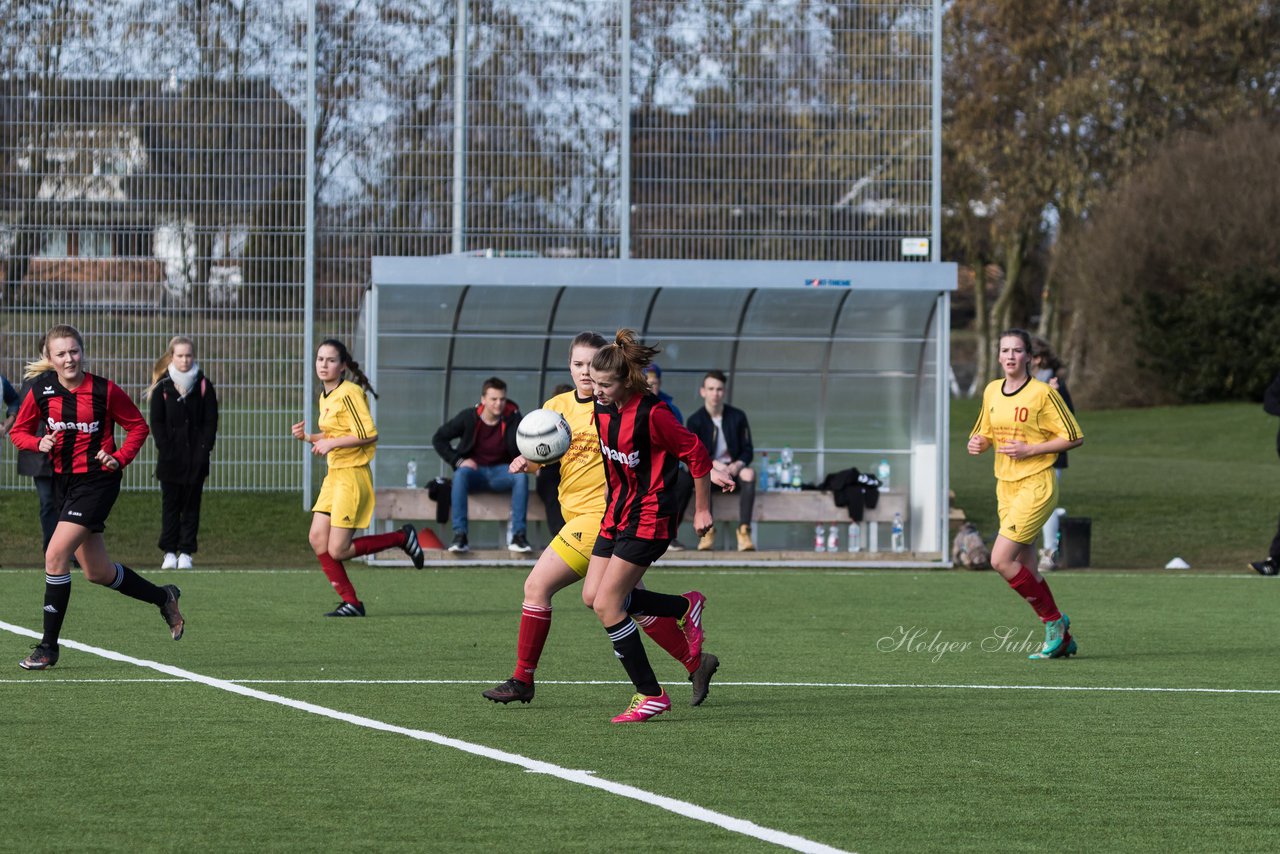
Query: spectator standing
[(683, 490), (1271, 565), (480, 443), (726, 435), (1048, 368), (184, 426)]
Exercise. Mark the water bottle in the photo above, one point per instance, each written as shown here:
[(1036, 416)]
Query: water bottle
[(855, 537), (897, 537), (819, 539), (765, 474), (411, 475), (833, 538), (796, 475), (882, 472)]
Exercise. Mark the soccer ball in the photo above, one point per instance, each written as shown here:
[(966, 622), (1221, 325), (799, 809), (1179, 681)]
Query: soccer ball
[(543, 436)]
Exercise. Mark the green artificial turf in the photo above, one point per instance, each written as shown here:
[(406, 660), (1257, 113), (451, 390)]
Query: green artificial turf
[(822, 723)]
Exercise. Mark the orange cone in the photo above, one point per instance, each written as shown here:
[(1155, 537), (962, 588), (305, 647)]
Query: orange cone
[(428, 540)]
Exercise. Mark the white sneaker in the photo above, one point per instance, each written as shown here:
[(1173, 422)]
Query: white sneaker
[(170, 561), (1047, 563), (184, 561)]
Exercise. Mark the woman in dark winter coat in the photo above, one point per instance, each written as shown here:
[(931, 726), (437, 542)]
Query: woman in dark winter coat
[(184, 425)]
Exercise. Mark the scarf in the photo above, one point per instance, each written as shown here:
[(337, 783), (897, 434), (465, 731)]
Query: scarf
[(184, 380)]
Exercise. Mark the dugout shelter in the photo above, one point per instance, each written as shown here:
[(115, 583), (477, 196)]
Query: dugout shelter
[(844, 362)]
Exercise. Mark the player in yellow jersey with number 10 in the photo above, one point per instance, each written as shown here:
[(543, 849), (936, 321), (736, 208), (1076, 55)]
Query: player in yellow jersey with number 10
[(564, 562), (1029, 425)]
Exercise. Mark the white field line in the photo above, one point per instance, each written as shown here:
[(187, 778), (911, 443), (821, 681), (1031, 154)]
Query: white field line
[(701, 570), (583, 778), (919, 686)]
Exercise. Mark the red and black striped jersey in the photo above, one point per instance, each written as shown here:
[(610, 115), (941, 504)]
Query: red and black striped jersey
[(84, 419), (642, 444)]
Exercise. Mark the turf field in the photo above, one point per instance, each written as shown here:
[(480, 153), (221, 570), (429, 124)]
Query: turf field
[(859, 711)]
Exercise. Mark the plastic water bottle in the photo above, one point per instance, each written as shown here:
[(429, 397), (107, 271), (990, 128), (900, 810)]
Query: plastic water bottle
[(819, 539), (882, 472), (411, 475), (797, 473), (897, 537), (787, 459), (833, 538), (855, 537), (766, 476)]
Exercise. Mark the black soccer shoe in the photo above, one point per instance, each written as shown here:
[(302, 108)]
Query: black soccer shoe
[(169, 610), (459, 544), (1265, 567), (701, 678), (347, 609), (512, 689), (42, 657), (412, 547)]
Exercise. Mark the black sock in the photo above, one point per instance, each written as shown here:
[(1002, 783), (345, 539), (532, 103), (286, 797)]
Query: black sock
[(131, 584), (57, 593), (630, 651), (656, 604)]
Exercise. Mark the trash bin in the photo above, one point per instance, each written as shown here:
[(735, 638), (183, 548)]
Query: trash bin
[(1074, 532)]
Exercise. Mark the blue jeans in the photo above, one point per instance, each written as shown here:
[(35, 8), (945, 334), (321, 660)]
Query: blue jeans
[(489, 479)]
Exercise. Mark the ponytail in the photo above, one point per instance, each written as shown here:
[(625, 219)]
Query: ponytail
[(626, 358), (349, 364)]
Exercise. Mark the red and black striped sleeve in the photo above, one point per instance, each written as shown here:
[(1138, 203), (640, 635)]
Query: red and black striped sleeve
[(670, 434), (23, 430), (123, 411)]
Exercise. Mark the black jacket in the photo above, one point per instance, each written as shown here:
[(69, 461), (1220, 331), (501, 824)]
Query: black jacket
[(33, 463), (1271, 403), (737, 433), (184, 429), (463, 428)]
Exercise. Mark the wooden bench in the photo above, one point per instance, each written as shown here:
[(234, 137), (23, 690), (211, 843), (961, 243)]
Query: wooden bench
[(807, 506)]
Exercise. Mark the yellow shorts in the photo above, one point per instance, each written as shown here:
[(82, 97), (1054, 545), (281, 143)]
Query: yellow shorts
[(576, 540), (1026, 504), (347, 496)]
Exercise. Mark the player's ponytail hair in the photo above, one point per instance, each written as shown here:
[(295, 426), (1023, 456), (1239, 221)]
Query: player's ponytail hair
[(1024, 336), (626, 358), (166, 359), (349, 364), (42, 364)]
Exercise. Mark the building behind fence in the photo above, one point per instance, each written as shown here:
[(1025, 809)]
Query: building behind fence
[(226, 170)]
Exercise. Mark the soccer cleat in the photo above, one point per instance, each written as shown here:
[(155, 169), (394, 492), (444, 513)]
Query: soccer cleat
[(1047, 563), (744, 539), (707, 541), (701, 678), (519, 544), (1265, 567), (1058, 642), (412, 547), (170, 561), (42, 656), (512, 689), (644, 707), (347, 609), (459, 544), (169, 610), (184, 561), (691, 622)]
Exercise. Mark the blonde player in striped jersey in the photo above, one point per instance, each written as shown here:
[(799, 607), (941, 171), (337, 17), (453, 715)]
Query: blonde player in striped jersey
[(347, 441), (582, 501), (1029, 425)]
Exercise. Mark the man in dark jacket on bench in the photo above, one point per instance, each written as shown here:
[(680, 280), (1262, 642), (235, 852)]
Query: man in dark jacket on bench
[(726, 435)]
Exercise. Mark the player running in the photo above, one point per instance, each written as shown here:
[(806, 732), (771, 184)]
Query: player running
[(642, 444), (79, 412), (347, 440), (1029, 425), (564, 562)]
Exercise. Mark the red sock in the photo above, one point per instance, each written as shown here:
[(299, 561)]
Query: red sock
[(666, 634), (1036, 593), (378, 542), (535, 625), (337, 575)]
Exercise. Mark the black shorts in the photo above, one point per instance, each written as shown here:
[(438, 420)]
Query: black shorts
[(86, 499), (631, 549)]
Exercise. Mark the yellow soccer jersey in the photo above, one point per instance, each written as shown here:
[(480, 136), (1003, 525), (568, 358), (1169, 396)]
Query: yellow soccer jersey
[(1034, 413), (582, 489), (345, 412)]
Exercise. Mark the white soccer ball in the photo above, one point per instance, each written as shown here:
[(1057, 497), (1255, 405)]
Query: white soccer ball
[(543, 436)]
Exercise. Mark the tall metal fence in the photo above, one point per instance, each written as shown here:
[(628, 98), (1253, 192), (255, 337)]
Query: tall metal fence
[(226, 169)]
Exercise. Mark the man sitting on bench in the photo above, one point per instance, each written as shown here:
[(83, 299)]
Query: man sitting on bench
[(726, 435)]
